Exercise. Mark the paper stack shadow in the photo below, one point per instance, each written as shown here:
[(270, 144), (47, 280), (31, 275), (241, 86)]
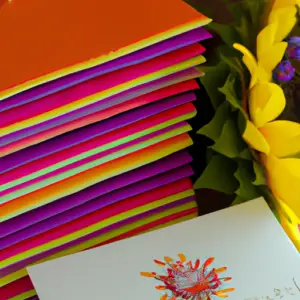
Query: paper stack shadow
[(94, 102)]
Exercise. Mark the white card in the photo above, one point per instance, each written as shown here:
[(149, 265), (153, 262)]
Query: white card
[(246, 239)]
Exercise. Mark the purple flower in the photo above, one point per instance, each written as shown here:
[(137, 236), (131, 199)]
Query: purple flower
[(293, 52), (295, 40), (293, 49), (284, 72)]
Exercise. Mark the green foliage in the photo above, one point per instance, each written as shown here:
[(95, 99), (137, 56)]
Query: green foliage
[(260, 177), (214, 128), (228, 33), (237, 200), (219, 175), (232, 167), (246, 154), (241, 122), (244, 32), (233, 62), (214, 78), (249, 14), (230, 92), (244, 175), (230, 143)]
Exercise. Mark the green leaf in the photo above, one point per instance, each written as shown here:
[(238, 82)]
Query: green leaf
[(224, 51), (242, 122), (253, 9), (260, 177), (230, 142), (229, 91), (226, 32), (236, 8), (256, 9), (238, 200), (248, 26), (244, 175), (246, 154), (215, 77), (218, 175), (243, 30), (213, 129), (232, 62), (209, 155)]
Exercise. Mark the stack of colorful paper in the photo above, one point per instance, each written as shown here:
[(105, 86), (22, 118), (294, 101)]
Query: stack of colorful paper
[(95, 98)]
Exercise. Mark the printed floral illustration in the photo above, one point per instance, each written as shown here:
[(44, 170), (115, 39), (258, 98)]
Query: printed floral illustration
[(183, 279)]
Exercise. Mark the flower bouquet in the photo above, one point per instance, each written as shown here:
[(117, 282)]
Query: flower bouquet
[(254, 87)]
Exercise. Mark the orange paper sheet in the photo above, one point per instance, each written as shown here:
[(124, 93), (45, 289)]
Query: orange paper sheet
[(45, 40)]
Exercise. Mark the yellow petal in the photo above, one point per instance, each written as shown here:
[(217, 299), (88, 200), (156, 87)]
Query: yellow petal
[(258, 97), (182, 257), (168, 259), (284, 3), (283, 177), (222, 293), (220, 270), (272, 57), (266, 103), (292, 230), (147, 274), (249, 61), (286, 18), (266, 39), (290, 226), (283, 137), (275, 104), (255, 139), (262, 75)]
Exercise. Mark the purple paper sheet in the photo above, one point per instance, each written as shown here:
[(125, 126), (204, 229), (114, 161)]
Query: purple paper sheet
[(99, 106), (137, 57), (49, 210), (41, 181), (96, 204), (100, 84), (26, 262), (84, 134)]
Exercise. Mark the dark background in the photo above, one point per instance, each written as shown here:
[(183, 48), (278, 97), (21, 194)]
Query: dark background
[(208, 200)]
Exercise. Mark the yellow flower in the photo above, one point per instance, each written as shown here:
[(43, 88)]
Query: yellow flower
[(283, 178), (284, 3), (283, 137), (266, 99), (266, 103), (275, 140), (285, 16), (269, 54)]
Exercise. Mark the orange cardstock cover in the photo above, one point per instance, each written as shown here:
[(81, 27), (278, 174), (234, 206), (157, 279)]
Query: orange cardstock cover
[(45, 40)]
